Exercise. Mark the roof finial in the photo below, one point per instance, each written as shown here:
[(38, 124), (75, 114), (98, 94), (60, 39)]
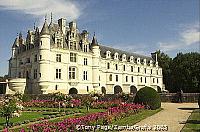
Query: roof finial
[(34, 26), (45, 18), (51, 16)]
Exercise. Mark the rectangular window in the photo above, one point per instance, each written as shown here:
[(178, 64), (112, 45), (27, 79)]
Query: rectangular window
[(40, 74), (145, 80), (138, 69), (131, 68), (117, 78), (40, 57), (84, 75), (108, 65), (132, 79), (58, 57), (141, 79), (124, 68), (58, 73), (71, 45), (85, 48), (110, 77), (157, 72), (72, 57), (85, 61), (74, 46), (72, 72), (126, 78), (87, 89), (35, 73), (157, 80), (145, 70), (35, 58), (153, 80), (116, 66), (151, 71)]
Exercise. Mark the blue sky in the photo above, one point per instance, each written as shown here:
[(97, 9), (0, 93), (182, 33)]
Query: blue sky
[(141, 26)]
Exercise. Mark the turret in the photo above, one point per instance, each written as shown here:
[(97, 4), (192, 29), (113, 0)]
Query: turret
[(95, 46), (95, 63), (44, 53), (15, 47)]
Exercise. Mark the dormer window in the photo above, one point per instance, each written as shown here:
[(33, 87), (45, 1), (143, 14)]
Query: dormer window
[(131, 59), (116, 56), (138, 60), (108, 54), (144, 61), (123, 57)]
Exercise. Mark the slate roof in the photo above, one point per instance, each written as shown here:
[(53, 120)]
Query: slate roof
[(121, 52)]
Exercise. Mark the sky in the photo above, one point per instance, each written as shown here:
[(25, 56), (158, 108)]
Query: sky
[(140, 26)]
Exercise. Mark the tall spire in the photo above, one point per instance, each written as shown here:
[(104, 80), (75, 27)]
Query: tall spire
[(51, 17), (94, 41), (45, 29)]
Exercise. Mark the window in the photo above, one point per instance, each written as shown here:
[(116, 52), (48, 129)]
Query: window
[(87, 89), (138, 69), (74, 46), (116, 66), (151, 71), (126, 78), (132, 80), (157, 80), (145, 80), (58, 73), (110, 77), (124, 68), (116, 78), (157, 72), (71, 45), (35, 73), (72, 57), (108, 65), (40, 75), (85, 61), (72, 72), (145, 70), (141, 79), (153, 80), (84, 75), (131, 68), (35, 58), (56, 87), (40, 57), (58, 42), (85, 47), (58, 57)]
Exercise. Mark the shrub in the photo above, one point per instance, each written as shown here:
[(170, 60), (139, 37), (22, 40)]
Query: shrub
[(149, 97)]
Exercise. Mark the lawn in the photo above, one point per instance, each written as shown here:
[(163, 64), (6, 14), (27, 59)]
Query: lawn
[(35, 115), (193, 122), (26, 116), (133, 119)]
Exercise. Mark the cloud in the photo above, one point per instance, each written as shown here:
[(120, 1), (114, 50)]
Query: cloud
[(189, 35), (39, 8)]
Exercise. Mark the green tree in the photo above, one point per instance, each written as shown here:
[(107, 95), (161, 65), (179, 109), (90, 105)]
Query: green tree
[(185, 72), (165, 61), (8, 107)]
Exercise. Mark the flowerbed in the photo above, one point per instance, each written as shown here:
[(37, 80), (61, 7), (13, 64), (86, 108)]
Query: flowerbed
[(52, 103), (112, 114)]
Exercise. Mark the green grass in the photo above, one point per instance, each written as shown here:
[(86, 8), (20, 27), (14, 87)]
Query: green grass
[(79, 112), (25, 116), (193, 122), (133, 119)]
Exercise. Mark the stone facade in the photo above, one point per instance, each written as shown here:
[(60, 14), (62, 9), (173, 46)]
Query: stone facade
[(60, 58)]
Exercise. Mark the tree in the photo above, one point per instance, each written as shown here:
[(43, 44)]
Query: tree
[(186, 72), (9, 106), (165, 61)]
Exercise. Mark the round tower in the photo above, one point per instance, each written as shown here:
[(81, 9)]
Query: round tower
[(95, 63), (44, 61)]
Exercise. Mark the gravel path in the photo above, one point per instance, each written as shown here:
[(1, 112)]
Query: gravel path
[(173, 115)]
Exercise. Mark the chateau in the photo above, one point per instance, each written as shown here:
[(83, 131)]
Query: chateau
[(61, 58)]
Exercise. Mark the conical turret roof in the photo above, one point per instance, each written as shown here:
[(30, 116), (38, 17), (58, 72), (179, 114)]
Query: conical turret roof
[(45, 29), (16, 43), (94, 41)]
